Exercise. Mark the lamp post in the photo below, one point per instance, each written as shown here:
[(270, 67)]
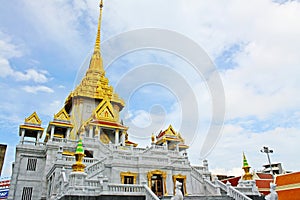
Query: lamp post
[(267, 151)]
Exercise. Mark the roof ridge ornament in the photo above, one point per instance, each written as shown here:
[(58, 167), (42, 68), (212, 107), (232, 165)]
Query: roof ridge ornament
[(98, 38)]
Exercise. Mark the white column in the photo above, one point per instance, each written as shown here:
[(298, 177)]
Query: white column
[(177, 147), (68, 133), (38, 138), (117, 136), (22, 136), (123, 138), (99, 133), (52, 132), (91, 132)]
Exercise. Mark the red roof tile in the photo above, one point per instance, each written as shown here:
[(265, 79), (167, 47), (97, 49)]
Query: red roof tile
[(264, 176), (233, 181)]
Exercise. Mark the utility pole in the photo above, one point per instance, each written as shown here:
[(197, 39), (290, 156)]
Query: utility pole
[(267, 151)]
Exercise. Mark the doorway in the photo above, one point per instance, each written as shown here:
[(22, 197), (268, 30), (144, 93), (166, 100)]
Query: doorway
[(157, 185)]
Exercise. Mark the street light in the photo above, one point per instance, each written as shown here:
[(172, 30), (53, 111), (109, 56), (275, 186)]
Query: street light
[(267, 151)]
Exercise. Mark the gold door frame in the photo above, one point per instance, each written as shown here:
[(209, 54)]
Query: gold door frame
[(123, 174), (164, 176), (180, 176)]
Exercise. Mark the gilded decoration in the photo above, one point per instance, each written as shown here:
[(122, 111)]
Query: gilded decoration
[(164, 177), (180, 176), (104, 138), (105, 112), (130, 174), (62, 115), (33, 119)]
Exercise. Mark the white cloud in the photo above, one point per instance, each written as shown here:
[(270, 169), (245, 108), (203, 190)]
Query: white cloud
[(5, 68), (31, 74), (9, 51), (36, 89)]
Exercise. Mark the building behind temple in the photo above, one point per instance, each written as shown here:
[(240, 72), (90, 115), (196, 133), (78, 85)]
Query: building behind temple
[(86, 152)]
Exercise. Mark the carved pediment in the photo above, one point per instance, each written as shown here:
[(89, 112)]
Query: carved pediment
[(33, 119), (105, 111), (62, 115)]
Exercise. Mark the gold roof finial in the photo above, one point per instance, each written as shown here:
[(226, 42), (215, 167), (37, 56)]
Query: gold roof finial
[(98, 38)]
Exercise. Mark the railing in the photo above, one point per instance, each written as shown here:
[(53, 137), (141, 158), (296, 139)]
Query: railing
[(197, 174), (149, 194), (155, 159), (231, 191), (54, 139), (72, 159), (212, 188), (130, 188), (139, 150), (125, 188), (29, 142), (179, 162), (104, 147), (96, 167), (159, 147), (93, 183)]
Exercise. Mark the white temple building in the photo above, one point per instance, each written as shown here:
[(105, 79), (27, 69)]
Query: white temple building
[(85, 152)]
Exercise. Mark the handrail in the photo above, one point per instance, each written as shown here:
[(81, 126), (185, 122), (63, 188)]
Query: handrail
[(232, 192), (95, 167), (150, 194), (197, 174), (132, 188), (212, 188)]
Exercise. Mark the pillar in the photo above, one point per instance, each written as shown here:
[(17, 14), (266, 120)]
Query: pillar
[(52, 132), (68, 133), (22, 136), (99, 133), (177, 147), (117, 136), (91, 132), (123, 138), (38, 138)]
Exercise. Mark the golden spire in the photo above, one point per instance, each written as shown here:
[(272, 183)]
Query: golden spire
[(98, 38)]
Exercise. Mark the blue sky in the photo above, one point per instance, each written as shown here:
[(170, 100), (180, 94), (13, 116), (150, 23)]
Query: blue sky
[(254, 45)]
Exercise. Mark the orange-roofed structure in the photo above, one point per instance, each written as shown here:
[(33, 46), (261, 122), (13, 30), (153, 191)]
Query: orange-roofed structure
[(288, 186)]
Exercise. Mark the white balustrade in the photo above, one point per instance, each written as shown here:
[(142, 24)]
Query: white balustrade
[(212, 188), (95, 168), (231, 191)]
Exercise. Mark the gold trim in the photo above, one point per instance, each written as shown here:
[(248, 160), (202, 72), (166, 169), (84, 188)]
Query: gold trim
[(61, 124), (164, 176), (288, 187), (180, 176), (123, 174), (68, 153), (31, 128)]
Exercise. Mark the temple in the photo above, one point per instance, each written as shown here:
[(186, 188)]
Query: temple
[(85, 152)]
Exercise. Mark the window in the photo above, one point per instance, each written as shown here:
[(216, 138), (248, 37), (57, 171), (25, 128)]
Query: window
[(31, 164), (128, 179), (27, 193)]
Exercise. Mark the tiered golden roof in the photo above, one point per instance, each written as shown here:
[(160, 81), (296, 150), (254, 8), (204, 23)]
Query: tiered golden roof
[(94, 84)]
